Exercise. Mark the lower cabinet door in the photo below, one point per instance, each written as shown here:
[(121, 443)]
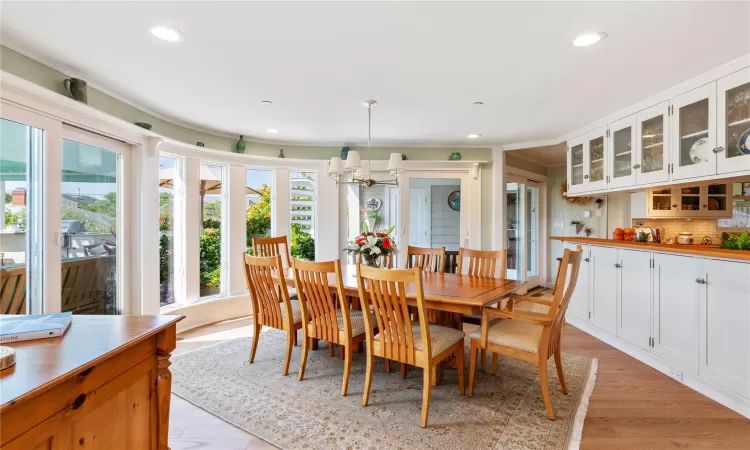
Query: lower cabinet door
[(725, 326), (579, 301), (634, 302), (604, 288), (677, 299)]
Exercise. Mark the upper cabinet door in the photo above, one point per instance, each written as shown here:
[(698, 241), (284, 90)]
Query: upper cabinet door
[(575, 165), (652, 147), (694, 133), (622, 155), (733, 129), (595, 160)]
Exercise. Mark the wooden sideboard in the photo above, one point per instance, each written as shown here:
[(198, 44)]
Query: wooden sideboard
[(105, 384)]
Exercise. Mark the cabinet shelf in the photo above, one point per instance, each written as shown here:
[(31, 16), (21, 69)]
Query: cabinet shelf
[(692, 135), (578, 165), (597, 160), (624, 153), (658, 144), (740, 122)]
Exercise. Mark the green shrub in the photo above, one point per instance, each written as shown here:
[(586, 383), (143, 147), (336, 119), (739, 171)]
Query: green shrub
[(303, 244), (210, 257)]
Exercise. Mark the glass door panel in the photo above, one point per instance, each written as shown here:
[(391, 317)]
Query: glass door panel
[(596, 159), (695, 133), (719, 199), (622, 152), (661, 203), (653, 144), (91, 228), (515, 230), (690, 201), (734, 122), (167, 171), (576, 165), (21, 152), (212, 196), (531, 228)]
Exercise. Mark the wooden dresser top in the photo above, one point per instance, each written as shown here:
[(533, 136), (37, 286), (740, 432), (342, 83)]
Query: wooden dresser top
[(42, 363)]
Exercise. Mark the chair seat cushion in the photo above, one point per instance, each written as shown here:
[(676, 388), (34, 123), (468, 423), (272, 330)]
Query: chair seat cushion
[(357, 320), (296, 312), (441, 337), (511, 333)]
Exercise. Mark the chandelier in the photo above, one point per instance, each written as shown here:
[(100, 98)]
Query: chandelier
[(352, 171)]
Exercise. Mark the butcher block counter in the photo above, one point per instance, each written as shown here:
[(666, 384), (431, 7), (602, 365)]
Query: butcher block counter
[(708, 251), (104, 384)]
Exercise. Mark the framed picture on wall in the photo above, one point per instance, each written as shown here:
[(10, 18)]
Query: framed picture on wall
[(454, 200)]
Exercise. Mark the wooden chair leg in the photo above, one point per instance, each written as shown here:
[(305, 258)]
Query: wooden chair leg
[(483, 356), (388, 366), (545, 388), (427, 390), (288, 359), (472, 366), (558, 365), (368, 375), (330, 349), (314, 345), (403, 370), (347, 367), (294, 334), (254, 346), (306, 344), (460, 366), (494, 363), (341, 352)]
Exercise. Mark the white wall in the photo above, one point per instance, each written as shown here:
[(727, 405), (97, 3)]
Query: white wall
[(445, 223)]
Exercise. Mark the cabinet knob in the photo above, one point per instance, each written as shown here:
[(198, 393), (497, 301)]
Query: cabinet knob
[(700, 281), (718, 149), (674, 206), (637, 166), (587, 259), (618, 265), (586, 177)]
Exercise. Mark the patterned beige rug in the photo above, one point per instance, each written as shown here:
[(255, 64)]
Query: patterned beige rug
[(506, 412)]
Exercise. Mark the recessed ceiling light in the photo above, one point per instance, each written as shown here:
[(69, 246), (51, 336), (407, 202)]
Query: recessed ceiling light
[(474, 136), (167, 34), (267, 102), (587, 39), (272, 130)]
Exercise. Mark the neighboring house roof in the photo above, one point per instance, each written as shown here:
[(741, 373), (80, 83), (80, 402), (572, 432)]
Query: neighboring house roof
[(80, 199)]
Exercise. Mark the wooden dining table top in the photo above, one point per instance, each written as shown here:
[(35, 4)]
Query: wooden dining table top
[(442, 291)]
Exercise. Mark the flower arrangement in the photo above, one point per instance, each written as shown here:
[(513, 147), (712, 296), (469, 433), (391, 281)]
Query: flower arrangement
[(372, 246)]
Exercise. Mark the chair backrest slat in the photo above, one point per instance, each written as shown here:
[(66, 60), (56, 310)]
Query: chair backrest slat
[(385, 291), (427, 259), (482, 263), (268, 296), (13, 290), (317, 302), (271, 247)]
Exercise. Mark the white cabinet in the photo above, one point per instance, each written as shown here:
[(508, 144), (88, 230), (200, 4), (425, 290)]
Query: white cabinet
[(694, 133), (733, 121), (652, 138), (587, 162), (725, 325), (701, 201), (634, 299), (621, 137), (603, 273), (677, 299), (579, 301)]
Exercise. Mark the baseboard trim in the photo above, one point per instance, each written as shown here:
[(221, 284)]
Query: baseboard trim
[(730, 400), (211, 311)]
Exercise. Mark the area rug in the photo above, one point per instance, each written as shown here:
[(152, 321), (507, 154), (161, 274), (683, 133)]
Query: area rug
[(506, 412)]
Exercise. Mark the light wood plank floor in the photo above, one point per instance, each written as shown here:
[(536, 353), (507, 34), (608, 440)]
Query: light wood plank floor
[(633, 406)]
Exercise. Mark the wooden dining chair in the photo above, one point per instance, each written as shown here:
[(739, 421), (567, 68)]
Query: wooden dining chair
[(13, 290), (399, 339), (427, 259), (532, 337), (272, 246), (320, 316), (386, 262), (271, 304)]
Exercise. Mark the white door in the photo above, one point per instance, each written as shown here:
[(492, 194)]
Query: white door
[(604, 288), (677, 299), (634, 301), (725, 326), (652, 144), (694, 133), (579, 301), (733, 115), (595, 160), (418, 220), (622, 159)]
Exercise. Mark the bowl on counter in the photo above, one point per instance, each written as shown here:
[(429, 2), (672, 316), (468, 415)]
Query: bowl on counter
[(685, 238)]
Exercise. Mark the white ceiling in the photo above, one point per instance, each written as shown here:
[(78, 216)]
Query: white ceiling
[(425, 62)]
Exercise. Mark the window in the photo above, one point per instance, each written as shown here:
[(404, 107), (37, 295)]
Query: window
[(741, 208), (20, 217), (302, 214), (167, 170), (258, 204), (90, 228), (211, 198)]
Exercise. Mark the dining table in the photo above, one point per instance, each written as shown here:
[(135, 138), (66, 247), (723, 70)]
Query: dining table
[(447, 296)]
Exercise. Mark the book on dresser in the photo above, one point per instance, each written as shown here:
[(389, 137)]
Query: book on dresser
[(16, 328)]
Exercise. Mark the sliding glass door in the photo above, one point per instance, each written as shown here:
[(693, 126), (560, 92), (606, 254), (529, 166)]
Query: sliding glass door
[(523, 224)]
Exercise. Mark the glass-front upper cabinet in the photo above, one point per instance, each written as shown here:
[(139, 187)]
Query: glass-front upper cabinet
[(661, 203), (622, 165), (652, 136), (575, 165), (694, 133), (733, 128), (587, 162)]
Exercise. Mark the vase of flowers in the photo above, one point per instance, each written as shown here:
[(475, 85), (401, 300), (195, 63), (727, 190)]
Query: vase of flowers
[(372, 246)]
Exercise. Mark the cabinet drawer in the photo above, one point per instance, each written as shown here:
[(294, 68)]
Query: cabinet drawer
[(25, 414)]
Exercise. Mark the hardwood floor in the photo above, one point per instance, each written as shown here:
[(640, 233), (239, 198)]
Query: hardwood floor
[(633, 406)]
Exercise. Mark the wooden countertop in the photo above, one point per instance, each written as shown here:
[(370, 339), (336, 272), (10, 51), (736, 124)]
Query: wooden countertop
[(696, 249), (42, 363)]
